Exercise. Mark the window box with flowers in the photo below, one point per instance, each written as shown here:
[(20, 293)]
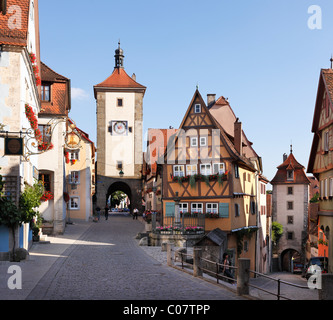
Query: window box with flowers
[(212, 215), (193, 230), (73, 161), (47, 196)]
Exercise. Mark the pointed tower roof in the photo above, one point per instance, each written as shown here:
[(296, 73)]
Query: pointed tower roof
[(290, 164), (119, 79)]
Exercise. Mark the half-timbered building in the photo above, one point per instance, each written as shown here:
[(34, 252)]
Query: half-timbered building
[(206, 168), (321, 160)]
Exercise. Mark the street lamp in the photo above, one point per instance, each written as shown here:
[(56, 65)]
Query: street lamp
[(121, 173)]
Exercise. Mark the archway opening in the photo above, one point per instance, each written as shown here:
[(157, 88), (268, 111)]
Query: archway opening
[(119, 197), (289, 257)]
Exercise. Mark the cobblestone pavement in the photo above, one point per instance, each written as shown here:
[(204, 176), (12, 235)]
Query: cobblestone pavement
[(106, 263)]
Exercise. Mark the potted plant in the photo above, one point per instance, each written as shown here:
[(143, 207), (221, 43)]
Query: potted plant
[(35, 233)]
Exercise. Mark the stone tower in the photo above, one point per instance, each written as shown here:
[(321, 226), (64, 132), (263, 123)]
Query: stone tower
[(119, 135), (290, 209)]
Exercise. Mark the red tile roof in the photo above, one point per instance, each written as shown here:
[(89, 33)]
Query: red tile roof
[(119, 79), (60, 103), (290, 164), (10, 35)]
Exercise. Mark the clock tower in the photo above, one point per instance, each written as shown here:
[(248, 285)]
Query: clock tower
[(119, 101)]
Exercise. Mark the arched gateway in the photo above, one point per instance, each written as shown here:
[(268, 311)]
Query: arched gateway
[(119, 102)]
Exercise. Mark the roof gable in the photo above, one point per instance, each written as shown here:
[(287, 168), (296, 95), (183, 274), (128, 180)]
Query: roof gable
[(290, 164), (190, 121), (197, 114)]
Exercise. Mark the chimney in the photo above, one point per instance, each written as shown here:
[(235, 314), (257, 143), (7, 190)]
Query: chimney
[(134, 76), (284, 157), (238, 137), (211, 99)]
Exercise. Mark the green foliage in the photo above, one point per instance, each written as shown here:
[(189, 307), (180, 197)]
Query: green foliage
[(192, 181), (10, 216), (277, 232), (117, 197), (315, 198), (240, 234), (30, 200)]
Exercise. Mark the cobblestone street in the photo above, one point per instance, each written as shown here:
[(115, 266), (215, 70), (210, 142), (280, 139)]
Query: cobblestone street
[(104, 262)]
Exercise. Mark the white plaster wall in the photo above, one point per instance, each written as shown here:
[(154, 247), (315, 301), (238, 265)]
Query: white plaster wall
[(120, 148)]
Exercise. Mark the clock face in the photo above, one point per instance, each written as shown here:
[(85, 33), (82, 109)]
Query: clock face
[(120, 127)]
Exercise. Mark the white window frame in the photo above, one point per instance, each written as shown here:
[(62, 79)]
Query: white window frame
[(78, 203), (195, 207), (326, 188), (219, 170), (183, 207), (331, 187), (292, 175), (178, 173), (194, 141), (190, 171), (203, 141), (74, 155), (73, 179), (212, 208), (322, 190), (206, 169), (197, 108)]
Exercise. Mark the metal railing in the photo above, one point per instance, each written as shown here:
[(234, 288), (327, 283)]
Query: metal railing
[(217, 274), (279, 282)]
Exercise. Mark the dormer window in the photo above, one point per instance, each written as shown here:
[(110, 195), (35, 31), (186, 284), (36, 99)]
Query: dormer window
[(290, 175), (45, 92)]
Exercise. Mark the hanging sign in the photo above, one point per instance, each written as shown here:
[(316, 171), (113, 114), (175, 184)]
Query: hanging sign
[(13, 146)]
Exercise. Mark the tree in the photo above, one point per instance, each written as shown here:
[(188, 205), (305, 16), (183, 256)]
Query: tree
[(13, 216), (277, 232), (10, 215), (117, 197)]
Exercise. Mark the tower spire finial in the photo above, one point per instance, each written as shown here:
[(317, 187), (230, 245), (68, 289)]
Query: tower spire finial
[(331, 61), (119, 56)]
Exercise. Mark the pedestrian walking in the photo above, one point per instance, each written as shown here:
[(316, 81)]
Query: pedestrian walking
[(226, 269), (98, 210), (135, 213), (106, 212)]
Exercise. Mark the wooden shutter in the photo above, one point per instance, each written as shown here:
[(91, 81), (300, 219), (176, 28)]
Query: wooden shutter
[(170, 209), (224, 210)]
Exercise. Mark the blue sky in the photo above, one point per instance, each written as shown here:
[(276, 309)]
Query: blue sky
[(260, 54)]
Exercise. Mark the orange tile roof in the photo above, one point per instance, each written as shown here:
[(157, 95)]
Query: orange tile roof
[(14, 36), (119, 79), (60, 103), (290, 164)]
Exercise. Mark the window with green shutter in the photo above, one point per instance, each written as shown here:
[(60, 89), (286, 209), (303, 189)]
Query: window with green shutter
[(224, 210), (170, 209)]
